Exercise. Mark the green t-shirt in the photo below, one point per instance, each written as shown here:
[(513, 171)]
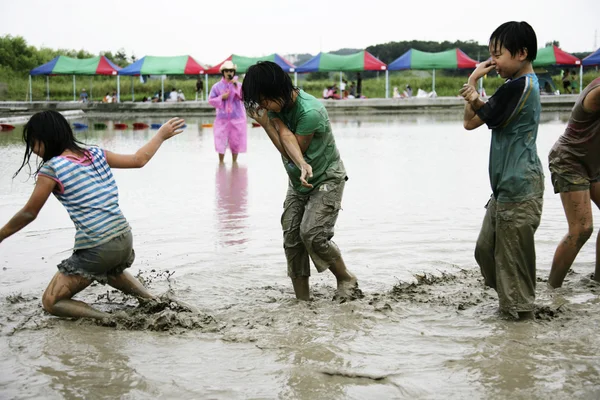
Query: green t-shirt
[(309, 116), (513, 114)]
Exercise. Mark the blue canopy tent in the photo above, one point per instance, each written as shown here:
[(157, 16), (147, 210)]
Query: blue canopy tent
[(592, 59)]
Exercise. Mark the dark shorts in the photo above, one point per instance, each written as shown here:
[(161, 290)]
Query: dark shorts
[(568, 174), (96, 263)]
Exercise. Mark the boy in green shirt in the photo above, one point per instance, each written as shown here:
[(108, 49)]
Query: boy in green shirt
[(299, 127), (505, 249)]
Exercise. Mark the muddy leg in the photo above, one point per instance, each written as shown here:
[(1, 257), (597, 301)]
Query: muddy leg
[(578, 210), (57, 298), (595, 196), (128, 284), (301, 287), (221, 158)]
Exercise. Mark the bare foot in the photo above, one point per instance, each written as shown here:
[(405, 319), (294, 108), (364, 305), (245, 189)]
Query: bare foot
[(347, 291)]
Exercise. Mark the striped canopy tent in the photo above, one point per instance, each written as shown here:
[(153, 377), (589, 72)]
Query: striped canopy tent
[(552, 55), (416, 59), (62, 65), (326, 62), (592, 59), (361, 61), (243, 63), (154, 65)]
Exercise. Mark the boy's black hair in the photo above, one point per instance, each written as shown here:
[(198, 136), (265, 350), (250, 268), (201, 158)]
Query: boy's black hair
[(515, 36), (267, 81), (52, 130)]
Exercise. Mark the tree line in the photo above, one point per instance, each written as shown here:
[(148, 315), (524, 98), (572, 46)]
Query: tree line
[(17, 57)]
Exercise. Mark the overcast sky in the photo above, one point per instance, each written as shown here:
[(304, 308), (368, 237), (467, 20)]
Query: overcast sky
[(211, 30)]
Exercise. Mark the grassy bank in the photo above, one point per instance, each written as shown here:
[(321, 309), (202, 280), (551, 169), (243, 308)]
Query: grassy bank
[(15, 88)]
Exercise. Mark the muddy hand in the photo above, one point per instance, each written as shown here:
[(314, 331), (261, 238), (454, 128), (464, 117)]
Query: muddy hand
[(483, 69), (260, 116), (306, 172), (469, 93)]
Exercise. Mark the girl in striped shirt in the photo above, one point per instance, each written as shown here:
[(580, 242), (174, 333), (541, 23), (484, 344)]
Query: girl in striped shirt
[(81, 179)]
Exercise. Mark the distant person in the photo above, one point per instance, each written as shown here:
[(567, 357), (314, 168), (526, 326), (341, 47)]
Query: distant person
[(575, 171), (83, 96), (180, 95), (343, 92), (107, 98), (157, 96), (230, 128), (172, 95), (566, 80), (103, 247), (199, 88), (408, 92), (574, 83), (505, 249), (114, 98), (396, 93), (358, 85), (352, 91), (299, 127)]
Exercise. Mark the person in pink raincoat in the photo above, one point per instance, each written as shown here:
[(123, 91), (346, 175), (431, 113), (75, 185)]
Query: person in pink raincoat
[(230, 124)]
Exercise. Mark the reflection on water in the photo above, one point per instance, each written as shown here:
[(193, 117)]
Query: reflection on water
[(231, 203), (413, 205)]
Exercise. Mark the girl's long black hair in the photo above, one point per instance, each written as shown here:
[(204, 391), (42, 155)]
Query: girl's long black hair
[(50, 129), (266, 80)]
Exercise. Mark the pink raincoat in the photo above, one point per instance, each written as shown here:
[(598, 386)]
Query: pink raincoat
[(230, 125)]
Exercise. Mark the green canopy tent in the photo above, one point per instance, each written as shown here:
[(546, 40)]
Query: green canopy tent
[(416, 59), (327, 62), (152, 65)]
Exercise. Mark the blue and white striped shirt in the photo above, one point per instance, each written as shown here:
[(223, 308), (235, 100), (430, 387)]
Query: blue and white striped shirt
[(87, 189)]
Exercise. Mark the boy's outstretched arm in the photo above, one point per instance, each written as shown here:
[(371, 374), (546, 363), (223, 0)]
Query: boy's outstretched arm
[(141, 157), (43, 187)]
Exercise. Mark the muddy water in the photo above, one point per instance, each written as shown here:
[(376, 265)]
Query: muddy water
[(209, 236)]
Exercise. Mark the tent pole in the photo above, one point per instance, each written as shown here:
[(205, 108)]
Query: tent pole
[(92, 88), (132, 94), (162, 88), (580, 77), (341, 92), (206, 88), (295, 78), (387, 84), (433, 81), (30, 90), (118, 88), (74, 95), (47, 87)]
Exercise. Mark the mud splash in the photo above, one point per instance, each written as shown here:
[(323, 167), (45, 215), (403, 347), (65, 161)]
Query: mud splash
[(164, 313)]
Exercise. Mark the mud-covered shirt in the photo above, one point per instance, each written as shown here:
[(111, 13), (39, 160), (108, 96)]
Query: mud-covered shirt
[(308, 116), (577, 151), (513, 114)]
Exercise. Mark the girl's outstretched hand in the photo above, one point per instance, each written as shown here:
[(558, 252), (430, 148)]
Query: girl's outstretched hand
[(172, 127)]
